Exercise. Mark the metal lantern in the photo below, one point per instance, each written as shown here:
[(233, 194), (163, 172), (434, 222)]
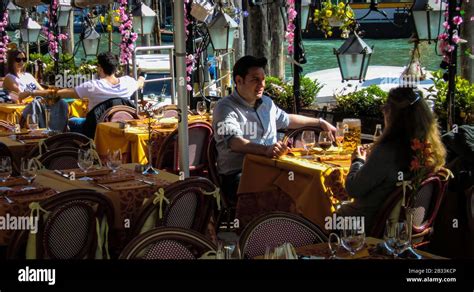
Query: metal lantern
[(64, 9), (143, 19), (428, 18), (305, 13), (353, 58), (91, 41), (413, 73), (221, 30), (30, 30), (14, 13)]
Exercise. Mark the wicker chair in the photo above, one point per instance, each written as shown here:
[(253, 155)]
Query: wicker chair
[(61, 158), (171, 111), (5, 151), (275, 228), (69, 229), (119, 113), (199, 137), (187, 208), (293, 137), (166, 243), (70, 140)]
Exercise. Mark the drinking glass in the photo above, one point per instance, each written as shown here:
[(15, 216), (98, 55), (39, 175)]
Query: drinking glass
[(269, 253), (339, 137), (212, 106), (5, 170), (334, 242), (28, 171), (308, 139), (352, 240), (201, 108), (402, 238), (389, 236), (163, 92), (32, 121), (232, 250), (114, 159), (85, 162), (352, 133), (324, 140)]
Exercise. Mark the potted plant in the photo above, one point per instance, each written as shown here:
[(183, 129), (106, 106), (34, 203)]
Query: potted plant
[(363, 104), (334, 15), (282, 93), (464, 101)]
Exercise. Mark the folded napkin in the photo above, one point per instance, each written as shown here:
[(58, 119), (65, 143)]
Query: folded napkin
[(20, 191), (113, 179), (13, 181), (79, 173)]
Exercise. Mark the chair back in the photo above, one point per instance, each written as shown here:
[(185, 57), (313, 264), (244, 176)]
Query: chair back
[(167, 243), (60, 158), (119, 113), (293, 137), (5, 151), (199, 135), (186, 206), (171, 111), (93, 116), (68, 228), (389, 209), (70, 140), (274, 229)]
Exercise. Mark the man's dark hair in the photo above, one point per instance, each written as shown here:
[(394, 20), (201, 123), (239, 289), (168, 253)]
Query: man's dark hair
[(108, 62), (242, 66)]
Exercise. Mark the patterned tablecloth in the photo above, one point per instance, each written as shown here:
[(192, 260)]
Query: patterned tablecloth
[(312, 189)]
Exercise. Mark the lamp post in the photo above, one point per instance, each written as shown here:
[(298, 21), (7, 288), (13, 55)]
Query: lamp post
[(144, 19), (428, 19), (221, 30), (30, 30), (14, 13), (353, 58)]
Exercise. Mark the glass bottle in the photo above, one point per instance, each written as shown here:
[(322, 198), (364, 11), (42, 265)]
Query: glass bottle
[(378, 132)]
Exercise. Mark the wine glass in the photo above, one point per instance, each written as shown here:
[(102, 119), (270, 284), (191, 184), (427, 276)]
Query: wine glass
[(212, 106), (389, 236), (339, 137), (85, 161), (28, 171), (324, 140), (352, 239), (334, 242), (32, 121), (5, 170), (114, 159), (163, 92), (201, 108), (402, 238), (232, 250), (308, 139)]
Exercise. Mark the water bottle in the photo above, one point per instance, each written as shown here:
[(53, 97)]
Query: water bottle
[(378, 132)]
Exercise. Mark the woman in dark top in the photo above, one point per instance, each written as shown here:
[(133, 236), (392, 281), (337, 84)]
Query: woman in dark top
[(373, 177)]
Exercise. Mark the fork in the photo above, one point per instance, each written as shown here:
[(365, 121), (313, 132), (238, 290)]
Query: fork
[(9, 201)]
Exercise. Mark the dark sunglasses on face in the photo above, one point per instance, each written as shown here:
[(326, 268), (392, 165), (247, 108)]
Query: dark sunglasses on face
[(18, 60)]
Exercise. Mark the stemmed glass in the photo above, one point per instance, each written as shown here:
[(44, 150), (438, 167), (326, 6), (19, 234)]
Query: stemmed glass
[(339, 137), (114, 159), (334, 242), (32, 121), (308, 139), (85, 161), (402, 238), (324, 140), (5, 170), (28, 171), (352, 240), (232, 250), (201, 108)]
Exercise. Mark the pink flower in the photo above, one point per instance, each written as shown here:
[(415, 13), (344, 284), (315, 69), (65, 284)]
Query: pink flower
[(472, 18), (456, 39), (446, 25), (443, 36), (457, 20)]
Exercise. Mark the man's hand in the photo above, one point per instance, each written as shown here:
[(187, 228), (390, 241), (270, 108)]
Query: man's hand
[(359, 152), (276, 150), (327, 127)]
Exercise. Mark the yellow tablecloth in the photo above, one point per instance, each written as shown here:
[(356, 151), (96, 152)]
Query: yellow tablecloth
[(132, 141), (78, 108), (11, 112), (314, 187)]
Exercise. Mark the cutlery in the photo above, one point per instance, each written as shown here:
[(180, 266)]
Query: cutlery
[(146, 182), (104, 186), (61, 173)]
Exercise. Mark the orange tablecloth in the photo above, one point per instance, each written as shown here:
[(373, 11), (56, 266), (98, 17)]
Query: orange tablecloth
[(291, 184)]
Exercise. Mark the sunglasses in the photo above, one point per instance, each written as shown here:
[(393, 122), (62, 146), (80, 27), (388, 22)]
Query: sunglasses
[(18, 60)]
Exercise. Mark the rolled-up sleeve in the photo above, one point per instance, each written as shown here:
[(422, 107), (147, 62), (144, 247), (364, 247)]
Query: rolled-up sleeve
[(226, 124), (282, 119)]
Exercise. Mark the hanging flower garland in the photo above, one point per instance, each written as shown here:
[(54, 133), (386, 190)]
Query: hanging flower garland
[(127, 44), (4, 39), (49, 30), (445, 46), (190, 59), (290, 28)]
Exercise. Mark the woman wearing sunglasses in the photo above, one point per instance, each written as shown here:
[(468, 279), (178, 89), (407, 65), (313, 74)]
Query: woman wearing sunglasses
[(17, 80)]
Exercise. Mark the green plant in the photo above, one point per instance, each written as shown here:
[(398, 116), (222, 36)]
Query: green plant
[(334, 15), (365, 102), (463, 101), (282, 93)]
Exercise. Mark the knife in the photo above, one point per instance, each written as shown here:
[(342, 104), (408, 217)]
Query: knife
[(61, 173)]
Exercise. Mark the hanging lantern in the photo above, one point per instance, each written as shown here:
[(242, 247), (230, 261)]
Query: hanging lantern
[(29, 30), (221, 30), (90, 42), (64, 9), (428, 18), (413, 73), (14, 13), (143, 19), (305, 13), (353, 58)]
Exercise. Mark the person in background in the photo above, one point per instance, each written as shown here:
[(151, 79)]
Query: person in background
[(247, 122), (373, 177), (17, 80), (108, 86)]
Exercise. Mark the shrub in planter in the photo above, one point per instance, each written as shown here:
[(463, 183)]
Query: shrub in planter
[(363, 104), (463, 101), (282, 93)]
